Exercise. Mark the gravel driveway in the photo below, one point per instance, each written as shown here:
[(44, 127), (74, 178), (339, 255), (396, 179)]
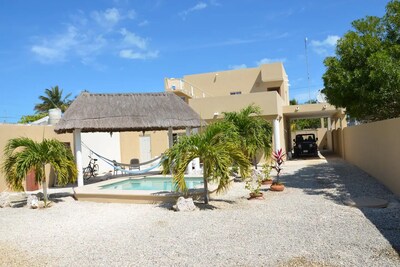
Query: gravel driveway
[(306, 225)]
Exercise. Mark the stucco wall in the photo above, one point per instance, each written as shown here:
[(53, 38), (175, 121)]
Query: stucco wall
[(130, 144), (103, 144), (337, 142), (37, 133), (269, 102), (247, 80), (375, 148)]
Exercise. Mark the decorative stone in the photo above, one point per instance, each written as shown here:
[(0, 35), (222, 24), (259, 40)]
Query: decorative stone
[(184, 204), (17, 200), (4, 200), (366, 202), (32, 202), (41, 204), (40, 195)]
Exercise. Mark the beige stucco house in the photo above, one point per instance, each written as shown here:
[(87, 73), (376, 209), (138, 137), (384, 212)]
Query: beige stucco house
[(267, 86)]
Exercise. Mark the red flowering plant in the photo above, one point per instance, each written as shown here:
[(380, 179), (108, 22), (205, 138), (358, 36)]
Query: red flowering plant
[(277, 157)]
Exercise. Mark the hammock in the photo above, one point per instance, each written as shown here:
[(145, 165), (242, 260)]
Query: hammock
[(119, 166)]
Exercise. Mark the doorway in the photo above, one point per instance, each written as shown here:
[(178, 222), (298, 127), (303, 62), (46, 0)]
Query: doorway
[(145, 148)]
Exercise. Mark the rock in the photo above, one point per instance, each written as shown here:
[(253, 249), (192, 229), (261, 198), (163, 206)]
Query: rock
[(40, 196), (4, 200), (41, 204), (184, 204), (32, 202), (17, 200)]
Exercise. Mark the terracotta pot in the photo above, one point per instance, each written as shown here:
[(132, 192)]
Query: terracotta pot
[(256, 195), (277, 187), (264, 182)]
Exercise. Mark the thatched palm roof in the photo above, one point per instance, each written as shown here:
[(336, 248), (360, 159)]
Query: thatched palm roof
[(128, 112)]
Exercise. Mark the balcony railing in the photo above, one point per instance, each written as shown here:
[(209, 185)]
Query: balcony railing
[(177, 84)]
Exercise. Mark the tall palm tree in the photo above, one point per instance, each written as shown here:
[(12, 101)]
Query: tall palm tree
[(217, 147), (23, 154), (255, 132), (53, 98)]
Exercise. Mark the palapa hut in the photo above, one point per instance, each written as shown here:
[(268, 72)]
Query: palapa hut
[(125, 112)]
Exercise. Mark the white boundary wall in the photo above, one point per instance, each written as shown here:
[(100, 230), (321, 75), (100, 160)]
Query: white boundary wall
[(105, 145)]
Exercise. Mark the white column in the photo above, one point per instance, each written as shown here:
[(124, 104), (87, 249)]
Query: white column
[(276, 134), (329, 135), (78, 155), (170, 138)]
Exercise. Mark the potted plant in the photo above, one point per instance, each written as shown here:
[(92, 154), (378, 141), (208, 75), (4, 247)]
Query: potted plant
[(253, 183), (266, 170), (277, 156)]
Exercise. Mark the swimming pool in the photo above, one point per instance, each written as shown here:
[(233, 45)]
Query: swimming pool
[(154, 184)]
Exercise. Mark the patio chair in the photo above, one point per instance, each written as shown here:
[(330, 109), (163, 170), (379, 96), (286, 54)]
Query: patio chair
[(117, 167), (134, 164)]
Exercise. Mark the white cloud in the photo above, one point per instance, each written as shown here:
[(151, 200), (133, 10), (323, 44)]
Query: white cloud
[(197, 7), (281, 36), (111, 17), (107, 18), (325, 47), (143, 23), (55, 49), (236, 67), (130, 54), (215, 3), (88, 36), (131, 39), (47, 54), (270, 60)]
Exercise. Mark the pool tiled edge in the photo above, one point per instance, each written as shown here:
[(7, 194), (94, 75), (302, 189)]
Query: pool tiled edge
[(94, 193)]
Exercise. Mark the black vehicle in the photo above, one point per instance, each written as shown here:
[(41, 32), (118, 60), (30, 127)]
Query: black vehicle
[(305, 145)]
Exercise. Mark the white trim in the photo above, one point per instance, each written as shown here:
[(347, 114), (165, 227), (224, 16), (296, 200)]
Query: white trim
[(276, 134), (78, 155)]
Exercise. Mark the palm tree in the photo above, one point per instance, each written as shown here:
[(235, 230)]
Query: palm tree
[(255, 132), (23, 154), (53, 99), (217, 147)]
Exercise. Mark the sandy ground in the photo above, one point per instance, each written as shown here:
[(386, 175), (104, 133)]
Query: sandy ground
[(306, 225)]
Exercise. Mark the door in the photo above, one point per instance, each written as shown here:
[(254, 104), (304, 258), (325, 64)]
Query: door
[(145, 148)]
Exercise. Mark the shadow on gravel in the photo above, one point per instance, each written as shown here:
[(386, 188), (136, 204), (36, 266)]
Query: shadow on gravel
[(338, 180), (200, 205), (59, 197)]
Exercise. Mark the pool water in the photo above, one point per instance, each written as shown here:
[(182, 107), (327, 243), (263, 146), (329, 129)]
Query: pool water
[(155, 183)]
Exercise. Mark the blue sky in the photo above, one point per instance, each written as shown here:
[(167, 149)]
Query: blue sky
[(130, 46)]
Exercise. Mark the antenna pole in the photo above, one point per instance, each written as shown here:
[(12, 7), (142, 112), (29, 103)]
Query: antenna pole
[(308, 73)]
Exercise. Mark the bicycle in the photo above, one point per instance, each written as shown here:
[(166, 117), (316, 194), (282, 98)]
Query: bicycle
[(91, 170)]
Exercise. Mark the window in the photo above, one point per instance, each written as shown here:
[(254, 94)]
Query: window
[(276, 89), (236, 93)]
